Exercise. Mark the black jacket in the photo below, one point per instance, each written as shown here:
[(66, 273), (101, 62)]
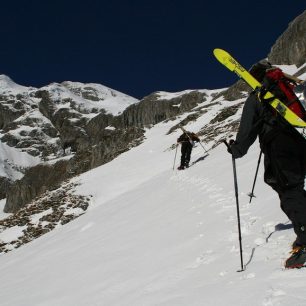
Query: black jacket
[(186, 138), (284, 148), (260, 120)]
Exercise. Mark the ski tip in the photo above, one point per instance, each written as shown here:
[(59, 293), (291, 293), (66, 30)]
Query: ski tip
[(216, 50), (219, 53), (225, 59)]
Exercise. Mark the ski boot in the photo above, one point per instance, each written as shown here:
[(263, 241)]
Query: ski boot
[(298, 257)]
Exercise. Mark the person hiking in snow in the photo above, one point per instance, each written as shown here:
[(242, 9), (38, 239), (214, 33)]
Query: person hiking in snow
[(284, 152), (187, 141)]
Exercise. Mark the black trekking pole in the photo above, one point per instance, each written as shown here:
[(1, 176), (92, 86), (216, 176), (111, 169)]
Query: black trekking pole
[(175, 156), (203, 147), (237, 206), (251, 194)]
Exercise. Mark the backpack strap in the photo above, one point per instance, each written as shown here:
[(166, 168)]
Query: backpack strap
[(261, 92)]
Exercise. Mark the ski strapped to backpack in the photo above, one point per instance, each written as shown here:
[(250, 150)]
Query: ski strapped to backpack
[(288, 112), (190, 140), (282, 85), (187, 134)]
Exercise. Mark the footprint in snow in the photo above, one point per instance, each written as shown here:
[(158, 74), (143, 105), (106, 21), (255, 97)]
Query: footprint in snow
[(205, 259), (86, 227), (274, 297), (268, 228)]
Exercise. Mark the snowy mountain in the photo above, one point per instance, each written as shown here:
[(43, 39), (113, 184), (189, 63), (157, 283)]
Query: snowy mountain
[(58, 123), (32, 119)]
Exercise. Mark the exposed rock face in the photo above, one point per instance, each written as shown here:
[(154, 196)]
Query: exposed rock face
[(7, 115), (154, 108), (53, 209), (5, 183), (37, 180), (290, 47), (236, 91)]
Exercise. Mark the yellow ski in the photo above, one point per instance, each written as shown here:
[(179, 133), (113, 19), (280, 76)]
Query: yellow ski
[(230, 63)]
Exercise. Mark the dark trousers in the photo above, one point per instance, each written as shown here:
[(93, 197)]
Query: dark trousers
[(293, 203), (186, 153), (285, 173)]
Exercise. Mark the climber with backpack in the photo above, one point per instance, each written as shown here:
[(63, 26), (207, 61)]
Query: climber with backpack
[(186, 140), (283, 147)]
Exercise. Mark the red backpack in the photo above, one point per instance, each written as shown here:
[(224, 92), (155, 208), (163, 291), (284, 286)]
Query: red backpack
[(282, 87)]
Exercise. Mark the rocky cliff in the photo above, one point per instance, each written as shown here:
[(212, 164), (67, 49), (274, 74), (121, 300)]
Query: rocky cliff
[(290, 47)]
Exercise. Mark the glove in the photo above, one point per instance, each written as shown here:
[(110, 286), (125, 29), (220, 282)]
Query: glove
[(230, 143)]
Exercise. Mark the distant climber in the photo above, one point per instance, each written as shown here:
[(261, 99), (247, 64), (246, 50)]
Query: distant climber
[(187, 140)]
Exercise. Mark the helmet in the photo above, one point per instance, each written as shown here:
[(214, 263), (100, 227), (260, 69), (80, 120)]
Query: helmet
[(259, 69)]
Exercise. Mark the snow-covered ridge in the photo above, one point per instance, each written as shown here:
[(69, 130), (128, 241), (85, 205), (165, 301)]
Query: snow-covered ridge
[(90, 96), (165, 95), (7, 85)]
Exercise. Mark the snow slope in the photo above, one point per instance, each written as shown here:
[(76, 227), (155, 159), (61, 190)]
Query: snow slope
[(154, 236), (12, 159)]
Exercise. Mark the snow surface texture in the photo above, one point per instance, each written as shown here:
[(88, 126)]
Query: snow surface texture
[(154, 236)]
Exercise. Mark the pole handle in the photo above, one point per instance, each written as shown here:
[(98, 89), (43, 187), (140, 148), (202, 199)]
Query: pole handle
[(226, 143)]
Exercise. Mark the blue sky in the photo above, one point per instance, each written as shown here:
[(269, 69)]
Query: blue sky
[(135, 46)]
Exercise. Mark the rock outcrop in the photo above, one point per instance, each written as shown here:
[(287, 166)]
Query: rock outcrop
[(290, 47), (53, 209), (154, 108)]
